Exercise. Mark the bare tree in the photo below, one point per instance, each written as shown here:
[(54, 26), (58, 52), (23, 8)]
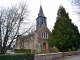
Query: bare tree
[(10, 22), (76, 4)]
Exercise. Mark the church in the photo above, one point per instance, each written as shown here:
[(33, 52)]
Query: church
[(38, 40)]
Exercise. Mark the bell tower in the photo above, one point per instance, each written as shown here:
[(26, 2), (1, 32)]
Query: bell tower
[(41, 19)]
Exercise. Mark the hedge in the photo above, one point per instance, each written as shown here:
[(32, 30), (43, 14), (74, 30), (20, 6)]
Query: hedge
[(17, 57), (22, 50)]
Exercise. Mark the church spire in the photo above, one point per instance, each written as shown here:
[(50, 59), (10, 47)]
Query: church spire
[(41, 19), (41, 12)]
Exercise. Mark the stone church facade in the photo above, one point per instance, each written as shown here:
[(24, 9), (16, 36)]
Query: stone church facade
[(38, 40)]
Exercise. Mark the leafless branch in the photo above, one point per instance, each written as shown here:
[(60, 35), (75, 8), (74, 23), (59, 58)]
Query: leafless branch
[(11, 21)]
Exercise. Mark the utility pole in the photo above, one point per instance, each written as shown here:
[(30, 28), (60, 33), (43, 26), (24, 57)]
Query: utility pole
[(0, 37)]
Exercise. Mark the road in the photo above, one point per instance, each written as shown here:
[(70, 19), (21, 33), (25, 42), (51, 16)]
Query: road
[(75, 57)]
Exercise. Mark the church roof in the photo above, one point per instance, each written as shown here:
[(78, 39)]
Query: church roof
[(41, 12)]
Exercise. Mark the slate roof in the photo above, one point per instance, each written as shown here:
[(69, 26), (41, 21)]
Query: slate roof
[(41, 12)]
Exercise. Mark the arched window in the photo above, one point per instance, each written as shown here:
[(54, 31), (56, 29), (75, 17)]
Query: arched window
[(44, 35), (37, 22), (42, 21)]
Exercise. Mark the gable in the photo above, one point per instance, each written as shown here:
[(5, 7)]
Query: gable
[(43, 30)]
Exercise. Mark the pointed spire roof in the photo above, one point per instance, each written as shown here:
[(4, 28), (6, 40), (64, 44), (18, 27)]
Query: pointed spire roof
[(41, 12)]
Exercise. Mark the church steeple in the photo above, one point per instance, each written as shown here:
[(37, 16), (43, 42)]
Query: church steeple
[(41, 12), (41, 19)]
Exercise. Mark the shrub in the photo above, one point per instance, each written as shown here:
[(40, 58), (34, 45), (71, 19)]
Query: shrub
[(69, 50), (33, 51), (22, 50), (53, 50), (17, 57)]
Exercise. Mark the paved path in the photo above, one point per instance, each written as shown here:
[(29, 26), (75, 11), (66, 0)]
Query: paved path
[(75, 57)]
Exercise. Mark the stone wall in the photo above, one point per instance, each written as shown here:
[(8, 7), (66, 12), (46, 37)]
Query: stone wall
[(64, 54), (53, 56), (48, 56)]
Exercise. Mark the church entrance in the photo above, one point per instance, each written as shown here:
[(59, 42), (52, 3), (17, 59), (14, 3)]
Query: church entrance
[(44, 48)]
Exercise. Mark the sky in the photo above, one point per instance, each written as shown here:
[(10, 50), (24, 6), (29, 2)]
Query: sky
[(50, 8)]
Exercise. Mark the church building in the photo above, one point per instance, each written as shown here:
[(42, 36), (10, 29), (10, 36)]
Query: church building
[(38, 40)]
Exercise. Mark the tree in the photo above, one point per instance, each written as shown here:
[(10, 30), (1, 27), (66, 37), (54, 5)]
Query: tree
[(76, 3), (65, 34), (76, 6), (11, 20)]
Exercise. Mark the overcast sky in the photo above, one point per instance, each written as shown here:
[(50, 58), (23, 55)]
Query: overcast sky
[(50, 8)]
